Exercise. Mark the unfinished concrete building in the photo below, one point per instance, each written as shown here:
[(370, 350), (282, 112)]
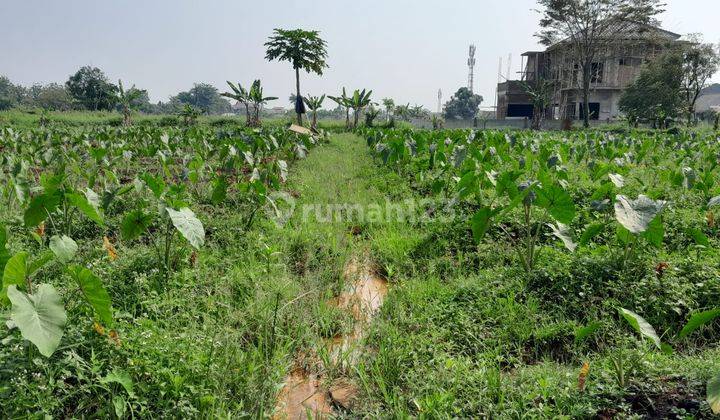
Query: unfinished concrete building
[(617, 65)]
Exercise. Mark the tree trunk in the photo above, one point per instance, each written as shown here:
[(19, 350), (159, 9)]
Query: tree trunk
[(248, 118), (347, 117), (314, 120), (586, 95), (297, 88)]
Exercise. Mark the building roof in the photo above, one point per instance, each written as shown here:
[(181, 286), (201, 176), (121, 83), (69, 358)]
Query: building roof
[(635, 31)]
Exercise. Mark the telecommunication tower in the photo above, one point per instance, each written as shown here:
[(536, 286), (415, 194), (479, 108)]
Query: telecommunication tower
[(471, 67), (439, 101)]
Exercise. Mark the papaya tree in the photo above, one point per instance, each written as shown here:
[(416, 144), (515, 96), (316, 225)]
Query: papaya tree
[(304, 49)]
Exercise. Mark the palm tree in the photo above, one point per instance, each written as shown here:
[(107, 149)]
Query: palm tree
[(126, 99), (343, 101), (255, 95), (314, 103), (359, 101), (240, 94), (304, 49)]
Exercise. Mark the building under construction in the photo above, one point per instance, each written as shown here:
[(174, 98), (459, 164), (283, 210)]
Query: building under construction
[(618, 65)]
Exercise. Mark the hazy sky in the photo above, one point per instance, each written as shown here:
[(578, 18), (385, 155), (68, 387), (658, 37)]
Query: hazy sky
[(402, 49)]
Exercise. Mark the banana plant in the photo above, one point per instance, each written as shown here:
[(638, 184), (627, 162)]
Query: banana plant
[(343, 101), (358, 102), (255, 96), (314, 103), (189, 114), (241, 95), (126, 100)]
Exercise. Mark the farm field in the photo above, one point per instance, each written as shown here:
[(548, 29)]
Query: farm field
[(234, 272)]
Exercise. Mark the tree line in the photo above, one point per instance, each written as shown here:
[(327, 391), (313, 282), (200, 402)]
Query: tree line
[(91, 90)]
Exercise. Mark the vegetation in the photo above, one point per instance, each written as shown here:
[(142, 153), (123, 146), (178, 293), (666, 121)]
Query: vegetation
[(587, 25), (462, 105), (305, 50)]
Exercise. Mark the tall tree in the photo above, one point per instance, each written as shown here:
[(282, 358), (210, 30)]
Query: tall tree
[(205, 97), (389, 105), (304, 49), (463, 105), (91, 88), (656, 95), (587, 25), (700, 63), (10, 94)]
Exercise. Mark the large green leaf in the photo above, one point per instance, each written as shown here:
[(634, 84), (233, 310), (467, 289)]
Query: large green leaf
[(590, 232), (40, 208), (480, 223), (135, 224), (698, 320), (40, 316), (636, 215), (63, 247), (81, 203), (4, 253), (557, 202), (119, 377), (713, 394), (188, 225), (698, 236), (93, 291), (640, 325), (15, 272), (562, 232), (655, 232)]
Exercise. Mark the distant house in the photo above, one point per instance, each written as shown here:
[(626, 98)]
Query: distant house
[(620, 64), (709, 99)]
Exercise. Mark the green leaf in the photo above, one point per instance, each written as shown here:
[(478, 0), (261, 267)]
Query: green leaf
[(562, 232), (40, 208), (40, 316), (156, 184), (698, 320), (219, 192), (584, 332), (480, 223), (135, 224), (591, 232), (698, 236), (39, 262), (557, 202), (119, 376), (640, 325), (4, 253), (617, 179), (655, 232), (82, 204), (15, 272), (64, 248), (188, 225), (713, 394), (636, 215), (93, 291)]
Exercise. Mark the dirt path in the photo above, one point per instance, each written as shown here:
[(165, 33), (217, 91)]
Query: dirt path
[(303, 392)]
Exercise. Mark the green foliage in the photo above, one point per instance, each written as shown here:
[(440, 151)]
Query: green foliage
[(91, 88), (464, 104)]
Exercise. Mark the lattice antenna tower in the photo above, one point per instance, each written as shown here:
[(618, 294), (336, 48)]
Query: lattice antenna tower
[(439, 101), (471, 68)]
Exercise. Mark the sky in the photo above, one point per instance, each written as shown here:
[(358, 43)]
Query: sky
[(402, 49)]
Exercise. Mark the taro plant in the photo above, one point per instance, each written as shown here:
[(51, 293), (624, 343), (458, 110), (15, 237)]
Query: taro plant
[(170, 216), (547, 197), (37, 310), (638, 218)]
